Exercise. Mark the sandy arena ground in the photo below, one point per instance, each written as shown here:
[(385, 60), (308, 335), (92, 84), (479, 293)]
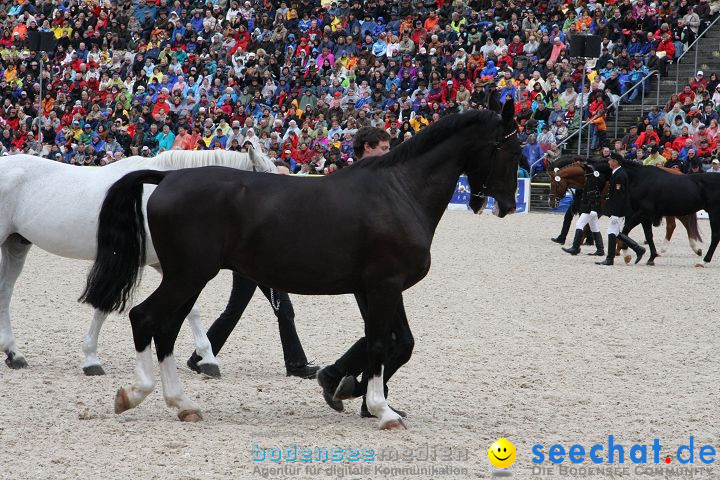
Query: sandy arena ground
[(506, 346)]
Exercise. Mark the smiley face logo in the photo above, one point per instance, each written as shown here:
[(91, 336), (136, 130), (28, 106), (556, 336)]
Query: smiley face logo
[(502, 453)]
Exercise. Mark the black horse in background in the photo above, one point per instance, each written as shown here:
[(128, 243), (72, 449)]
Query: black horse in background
[(378, 221), (655, 192)]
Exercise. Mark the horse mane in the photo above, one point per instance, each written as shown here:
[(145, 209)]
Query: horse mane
[(176, 159), (432, 136), (631, 164)]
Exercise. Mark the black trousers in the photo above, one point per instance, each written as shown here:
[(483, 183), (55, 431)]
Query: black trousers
[(242, 291)]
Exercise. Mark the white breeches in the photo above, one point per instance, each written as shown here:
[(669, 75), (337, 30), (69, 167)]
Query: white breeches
[(588, 219), (616, 224)]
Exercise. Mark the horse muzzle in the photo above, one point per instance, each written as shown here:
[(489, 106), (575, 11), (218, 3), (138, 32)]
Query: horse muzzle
[(477, 204), (500, 211)]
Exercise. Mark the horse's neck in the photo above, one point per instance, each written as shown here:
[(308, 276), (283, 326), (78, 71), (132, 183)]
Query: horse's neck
[(431, 179), (573, 178)]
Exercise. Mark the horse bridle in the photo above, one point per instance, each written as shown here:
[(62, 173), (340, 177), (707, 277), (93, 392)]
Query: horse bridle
[(496, 146)]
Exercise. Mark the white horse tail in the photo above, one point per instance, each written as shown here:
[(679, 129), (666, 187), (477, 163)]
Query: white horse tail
[(121, 243)]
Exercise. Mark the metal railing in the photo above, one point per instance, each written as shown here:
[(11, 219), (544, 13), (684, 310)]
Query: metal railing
[(687, 50), (559, 145), (639, 84)]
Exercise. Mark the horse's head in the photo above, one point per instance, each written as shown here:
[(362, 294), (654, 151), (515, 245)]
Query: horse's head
[(572, 175), (498, 176)]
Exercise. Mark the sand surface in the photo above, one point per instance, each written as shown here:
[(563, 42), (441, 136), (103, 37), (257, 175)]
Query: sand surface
[(513, 339)]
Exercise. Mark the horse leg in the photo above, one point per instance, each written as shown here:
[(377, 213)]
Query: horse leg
[(382, 306), (148, 321), (338, 380), (669, 229), (647, 229), (715, 234), (92, 365), (12, 258), (400, 353), (695, 246), (208, 364), (218, 333), (165, 336)]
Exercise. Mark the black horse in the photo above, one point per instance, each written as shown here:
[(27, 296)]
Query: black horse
[(656, 192), (378, 222)]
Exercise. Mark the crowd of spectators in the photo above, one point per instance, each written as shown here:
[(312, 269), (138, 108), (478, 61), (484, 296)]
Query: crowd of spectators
[(297, 78), (684, 133)]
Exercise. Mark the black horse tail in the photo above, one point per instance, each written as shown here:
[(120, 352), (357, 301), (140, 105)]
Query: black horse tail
[(121, 243), (693, 229)]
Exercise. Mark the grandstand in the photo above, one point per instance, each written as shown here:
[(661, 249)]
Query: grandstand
[(297, 79)]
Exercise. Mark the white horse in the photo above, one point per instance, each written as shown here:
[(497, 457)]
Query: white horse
[(56, 206)]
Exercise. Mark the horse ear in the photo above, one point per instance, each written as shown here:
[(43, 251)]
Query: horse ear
[(508, 115)]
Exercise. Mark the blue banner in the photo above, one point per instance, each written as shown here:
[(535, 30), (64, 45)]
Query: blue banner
[(461, 197)]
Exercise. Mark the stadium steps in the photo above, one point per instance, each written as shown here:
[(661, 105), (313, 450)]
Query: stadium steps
[(539, 191)]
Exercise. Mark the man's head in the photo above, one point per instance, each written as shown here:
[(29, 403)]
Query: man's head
[(371, 142), (614, 161)]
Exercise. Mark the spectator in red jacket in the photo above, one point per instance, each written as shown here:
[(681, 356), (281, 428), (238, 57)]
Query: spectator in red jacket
[(667, 46), (646, 136), (698, 81), (686, 93)]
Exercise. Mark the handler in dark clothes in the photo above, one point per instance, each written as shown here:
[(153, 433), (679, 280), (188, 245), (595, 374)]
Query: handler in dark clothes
[(617, 207), (243, 288)]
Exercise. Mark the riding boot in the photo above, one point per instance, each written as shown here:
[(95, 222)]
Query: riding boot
[(567, 220), (598, 245), (575, 249), (610, 259), (639, 251)]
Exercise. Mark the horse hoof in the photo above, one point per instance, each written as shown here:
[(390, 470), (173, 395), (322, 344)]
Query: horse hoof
[(651, 263), (190, 416), (699, 252), (209, 369), (93, 370), (15, 362), (122, 402), (627, 259), (393, 425), (345, 389), (699, 265)]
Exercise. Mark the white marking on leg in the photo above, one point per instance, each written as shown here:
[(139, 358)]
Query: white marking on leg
[(90, 341), (376, 401), (144, 378), (694, 245), (202, 345), (172, 389), (666, 244)]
